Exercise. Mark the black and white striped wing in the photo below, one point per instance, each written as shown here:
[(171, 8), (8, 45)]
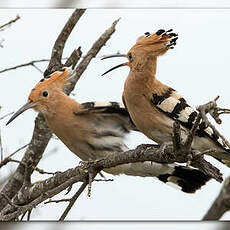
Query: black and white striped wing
[(108, 107), (176, 107)]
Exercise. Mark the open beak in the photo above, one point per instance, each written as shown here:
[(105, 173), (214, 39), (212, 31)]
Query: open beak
[(28, 105), (115, 67)]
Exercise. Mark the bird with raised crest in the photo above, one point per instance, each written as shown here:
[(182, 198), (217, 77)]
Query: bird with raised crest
[(154, 106), (93, 130)]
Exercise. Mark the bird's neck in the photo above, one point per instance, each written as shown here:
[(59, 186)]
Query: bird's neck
[(143, 77), (145, 66), (140, 82)]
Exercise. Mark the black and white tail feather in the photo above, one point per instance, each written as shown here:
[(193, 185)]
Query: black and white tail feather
[(116, 123)]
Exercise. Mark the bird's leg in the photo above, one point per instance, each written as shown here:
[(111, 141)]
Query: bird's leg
[(183, 150), (176, 138)]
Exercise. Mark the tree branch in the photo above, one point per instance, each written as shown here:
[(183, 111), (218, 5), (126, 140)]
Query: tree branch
[(221, 203), (59, 45), (90, 54), (31, 195), (39, 192), (8, 159), (215, 112), (74, 56), (73, 200), (42, 134), (31, 63), (2, 27)]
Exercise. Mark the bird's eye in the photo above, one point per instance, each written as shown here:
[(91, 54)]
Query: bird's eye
[(130, 56), (45, 94)]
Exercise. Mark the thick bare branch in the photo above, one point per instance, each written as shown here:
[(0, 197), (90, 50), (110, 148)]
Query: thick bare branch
[(56, 56), (39, 141), (39, 192), (42, 134), (90, 54), (221, 203), (74, 58)]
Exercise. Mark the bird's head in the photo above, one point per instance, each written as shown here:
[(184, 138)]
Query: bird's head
[(44, 93), (147, 48)]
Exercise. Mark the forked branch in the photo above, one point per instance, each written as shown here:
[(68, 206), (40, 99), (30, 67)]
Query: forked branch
[(42, 134)]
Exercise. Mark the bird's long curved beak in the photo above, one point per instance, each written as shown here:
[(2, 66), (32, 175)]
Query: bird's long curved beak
[(113, 55), (115, 67), (28, 105)]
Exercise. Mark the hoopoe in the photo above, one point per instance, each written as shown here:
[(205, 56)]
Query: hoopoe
[(93, 130), (154, 106)]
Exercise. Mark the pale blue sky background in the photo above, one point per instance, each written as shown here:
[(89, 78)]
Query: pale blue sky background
[(198, 68)]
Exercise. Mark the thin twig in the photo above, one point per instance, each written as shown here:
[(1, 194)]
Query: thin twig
[(56, 201), (8, 114), (29, 214), (39, 70), (8, 159), (104, 180), (69, 189), (2, 27), (72, 201), (24, 64), (19, 149), (41, 171), (23, 216), (32, 63), (1, 42)]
